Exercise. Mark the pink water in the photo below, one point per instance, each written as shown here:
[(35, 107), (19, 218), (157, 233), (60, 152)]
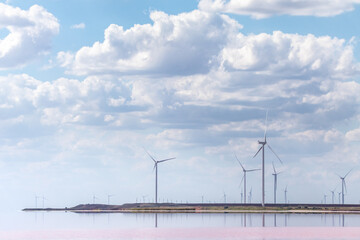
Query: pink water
[(268, 233)]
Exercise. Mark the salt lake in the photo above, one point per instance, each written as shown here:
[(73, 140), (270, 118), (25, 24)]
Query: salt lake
[(74, 226)]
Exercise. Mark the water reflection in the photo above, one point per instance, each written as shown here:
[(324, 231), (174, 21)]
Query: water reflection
[(69, 220)]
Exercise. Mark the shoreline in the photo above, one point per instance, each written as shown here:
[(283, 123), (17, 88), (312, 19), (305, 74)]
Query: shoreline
[(209, 208)]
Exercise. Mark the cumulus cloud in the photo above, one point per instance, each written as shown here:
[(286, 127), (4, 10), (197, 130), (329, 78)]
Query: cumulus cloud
[(64, 101), (218, 102), (290, 55), (182, 44), (78, 26), (353, 135), (262, 9), (30, 33)]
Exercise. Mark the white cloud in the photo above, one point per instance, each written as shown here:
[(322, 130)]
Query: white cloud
[(181, 44), (290, 55), (78, 26), (30, 34), (262, 9), (353, 135)]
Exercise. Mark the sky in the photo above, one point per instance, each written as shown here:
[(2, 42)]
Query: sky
[(87, 86)]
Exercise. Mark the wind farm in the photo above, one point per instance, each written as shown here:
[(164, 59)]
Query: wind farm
[(245, 205)]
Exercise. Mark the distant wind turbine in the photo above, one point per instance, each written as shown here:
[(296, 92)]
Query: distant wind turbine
[(285, 192), (244, 176), (250, 195), (109, 196), (325, 196), (224, 197), (263, 143), (36, 198), (343, 185), (94, 199), (275, 174), (156, 162), (333, 196), (43, 201)]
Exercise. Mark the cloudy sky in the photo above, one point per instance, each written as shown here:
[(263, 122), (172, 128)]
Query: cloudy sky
[(85, 86)]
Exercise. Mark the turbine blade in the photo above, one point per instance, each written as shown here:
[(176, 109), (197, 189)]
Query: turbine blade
[(239, 163), (274, 153), (345, 186), (252, 170), (154, 166), (267, 111), (242, 179), (258, 151), (348, 173), (164, 160), (150, 155), (273, 167)]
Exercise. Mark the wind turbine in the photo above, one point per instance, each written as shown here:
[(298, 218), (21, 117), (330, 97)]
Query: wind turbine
[(285, 192), (325, 196), (275, 174), (244, 176), (250, 195), (156, 162), (332, 195), (109, 196), (343, 185), (94, 198), (263, 143), (36, 198), (43, 201)]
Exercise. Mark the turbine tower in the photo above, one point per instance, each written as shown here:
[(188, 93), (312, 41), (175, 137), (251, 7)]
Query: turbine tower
[(285, 191), (263, 143), (156, 162), (275, 174), (244, 176), (343, 186)]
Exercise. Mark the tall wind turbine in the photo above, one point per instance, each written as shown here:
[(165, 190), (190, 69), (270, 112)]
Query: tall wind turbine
[(275, 174), (156, 162), (343, 185), (263, 143), (244, 176), (285, 192)]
